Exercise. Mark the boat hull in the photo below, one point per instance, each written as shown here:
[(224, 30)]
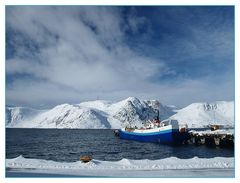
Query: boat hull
[(171, 136)]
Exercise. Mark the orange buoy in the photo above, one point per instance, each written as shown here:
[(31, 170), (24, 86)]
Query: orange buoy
[(85, 159)]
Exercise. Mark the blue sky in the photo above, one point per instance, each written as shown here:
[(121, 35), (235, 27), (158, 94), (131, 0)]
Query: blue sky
[(70, 54)]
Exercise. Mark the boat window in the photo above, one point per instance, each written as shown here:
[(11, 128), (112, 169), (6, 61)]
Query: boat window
[(164, 123)]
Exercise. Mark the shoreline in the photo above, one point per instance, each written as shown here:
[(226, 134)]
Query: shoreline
[(168, 167)]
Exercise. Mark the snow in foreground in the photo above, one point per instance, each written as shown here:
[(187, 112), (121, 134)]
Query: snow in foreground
[(218, 166)]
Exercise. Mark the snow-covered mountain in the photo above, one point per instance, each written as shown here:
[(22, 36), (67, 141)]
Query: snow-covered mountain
[(204, 114), (15, 115), (94, 114), (105, 114)]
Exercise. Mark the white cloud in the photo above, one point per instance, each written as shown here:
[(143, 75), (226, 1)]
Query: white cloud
[(83, 55), (82, 58)]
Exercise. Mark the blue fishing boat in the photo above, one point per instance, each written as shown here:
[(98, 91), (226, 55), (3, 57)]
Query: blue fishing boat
[(165, 132)]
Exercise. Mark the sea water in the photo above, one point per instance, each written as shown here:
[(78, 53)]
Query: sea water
[(67, 145)]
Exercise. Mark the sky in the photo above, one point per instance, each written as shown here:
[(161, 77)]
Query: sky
[(70, 54)]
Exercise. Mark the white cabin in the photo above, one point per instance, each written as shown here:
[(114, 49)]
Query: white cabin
[(172, 122)]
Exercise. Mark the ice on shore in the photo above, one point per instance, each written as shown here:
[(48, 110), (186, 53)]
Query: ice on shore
[(162, 164), (168, 167)]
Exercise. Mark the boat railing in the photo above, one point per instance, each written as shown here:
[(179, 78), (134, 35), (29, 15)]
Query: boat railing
[(129, 129)]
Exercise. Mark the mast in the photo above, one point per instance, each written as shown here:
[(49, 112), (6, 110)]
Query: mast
[(158, 115)]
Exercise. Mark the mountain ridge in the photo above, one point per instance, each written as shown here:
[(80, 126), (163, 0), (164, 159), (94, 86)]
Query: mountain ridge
[(101, 114)]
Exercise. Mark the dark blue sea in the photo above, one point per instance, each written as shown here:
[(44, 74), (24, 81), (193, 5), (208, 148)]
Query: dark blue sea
[(67, 145)]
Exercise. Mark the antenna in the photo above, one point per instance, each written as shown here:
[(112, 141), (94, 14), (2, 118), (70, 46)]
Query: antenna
[(214, 115)]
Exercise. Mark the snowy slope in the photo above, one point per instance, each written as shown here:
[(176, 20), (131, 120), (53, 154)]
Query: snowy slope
[(102, 114), (94, 114), (67, 116), (133, 111), (203, 114), (16, 115)]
